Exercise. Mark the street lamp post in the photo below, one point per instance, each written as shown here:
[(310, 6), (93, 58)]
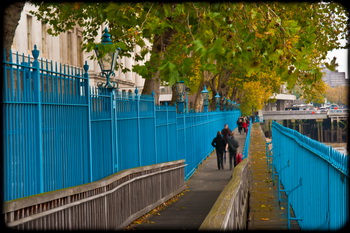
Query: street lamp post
[(205, 95), (217, 101), (106, 61), (180, 89), (187, 89)]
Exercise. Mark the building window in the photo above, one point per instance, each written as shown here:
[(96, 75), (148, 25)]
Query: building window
[(69, 48), (43, 40), (62, 48), (29, 32)]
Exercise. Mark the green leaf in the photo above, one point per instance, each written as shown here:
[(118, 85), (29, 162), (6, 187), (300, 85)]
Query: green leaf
[(186, 66), (302, 64), (169, 72), (253, 13), (292, 26), (142, 70)]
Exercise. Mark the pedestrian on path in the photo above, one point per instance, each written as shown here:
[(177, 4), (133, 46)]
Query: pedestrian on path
[(239, 124), (245, 126), (232, 148), (226, 134), (219, 143)]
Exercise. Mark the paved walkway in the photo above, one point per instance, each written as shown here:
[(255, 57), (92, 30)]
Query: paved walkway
[(265, 213), (205, 186), (190, 210)]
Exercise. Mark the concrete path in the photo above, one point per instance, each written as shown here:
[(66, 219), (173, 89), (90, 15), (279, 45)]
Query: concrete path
[(265, 212), (204, 187)]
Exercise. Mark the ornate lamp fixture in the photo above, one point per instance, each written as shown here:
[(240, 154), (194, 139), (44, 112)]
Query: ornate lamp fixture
[(106, 61), (217, 101), (180, 89), (205, 95)]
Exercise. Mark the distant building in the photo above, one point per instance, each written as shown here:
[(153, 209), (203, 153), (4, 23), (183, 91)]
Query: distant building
[(283, 99), (334, 78)]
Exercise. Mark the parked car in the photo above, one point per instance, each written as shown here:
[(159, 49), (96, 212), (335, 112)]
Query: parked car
[(334, 106)]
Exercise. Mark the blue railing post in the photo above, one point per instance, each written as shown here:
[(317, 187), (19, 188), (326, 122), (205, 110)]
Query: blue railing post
[(137, 98), (155, 128), (167, 131), (88, 96), (36, 78), (114, 132)]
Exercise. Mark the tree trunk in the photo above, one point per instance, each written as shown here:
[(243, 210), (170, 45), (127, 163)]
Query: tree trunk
[(12, 15), (212, 103), (223, 88), (198, 102), (160, 43)]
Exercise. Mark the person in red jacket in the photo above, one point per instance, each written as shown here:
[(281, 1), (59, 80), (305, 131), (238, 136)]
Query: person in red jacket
[(245, 126)]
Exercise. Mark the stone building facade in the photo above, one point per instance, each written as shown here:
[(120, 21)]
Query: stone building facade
[(66, 48)]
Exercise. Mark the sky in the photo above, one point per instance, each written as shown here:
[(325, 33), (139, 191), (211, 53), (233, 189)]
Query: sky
[(342, 58)]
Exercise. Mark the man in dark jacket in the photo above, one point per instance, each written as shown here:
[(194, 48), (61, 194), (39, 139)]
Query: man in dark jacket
[(226, 132), (219, 143), (232, 148)]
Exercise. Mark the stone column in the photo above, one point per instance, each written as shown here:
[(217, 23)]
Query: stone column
[(293, 122), (319, 130)]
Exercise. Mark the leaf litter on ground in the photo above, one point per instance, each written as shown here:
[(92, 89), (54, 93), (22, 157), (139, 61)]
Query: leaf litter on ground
[(155, 211)]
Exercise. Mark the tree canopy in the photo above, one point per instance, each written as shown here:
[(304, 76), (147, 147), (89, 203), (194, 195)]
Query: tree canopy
[(243, 51)]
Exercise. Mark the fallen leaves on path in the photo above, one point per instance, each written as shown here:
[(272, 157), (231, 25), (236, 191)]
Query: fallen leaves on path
[(155, 211)]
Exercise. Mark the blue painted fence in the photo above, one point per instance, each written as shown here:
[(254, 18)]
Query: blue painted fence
[(315, 178), (59, 132), (245, 151)]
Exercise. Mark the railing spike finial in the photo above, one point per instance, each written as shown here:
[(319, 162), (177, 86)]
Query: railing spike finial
[(35, 52), (86, 67)]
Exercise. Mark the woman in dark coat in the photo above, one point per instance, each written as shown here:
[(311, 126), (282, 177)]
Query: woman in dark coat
[(232, 148), (239, 124), (219, 143)]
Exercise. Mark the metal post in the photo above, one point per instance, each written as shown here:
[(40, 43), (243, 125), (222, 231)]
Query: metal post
[(155, 128), (138, 124), (180, 107), (114, 131), (167, 132), (205, 108), (88, 96), (36, 78), (186, 109)]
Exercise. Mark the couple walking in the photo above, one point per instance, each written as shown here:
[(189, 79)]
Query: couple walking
[(243, 122), (224, 141)]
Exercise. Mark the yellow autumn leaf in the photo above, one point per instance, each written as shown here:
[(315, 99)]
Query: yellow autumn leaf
[(265, 219), (257, 34)]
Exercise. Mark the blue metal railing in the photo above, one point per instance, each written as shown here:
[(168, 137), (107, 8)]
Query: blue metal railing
[(245, 151), (60, 132), (315, 178)]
